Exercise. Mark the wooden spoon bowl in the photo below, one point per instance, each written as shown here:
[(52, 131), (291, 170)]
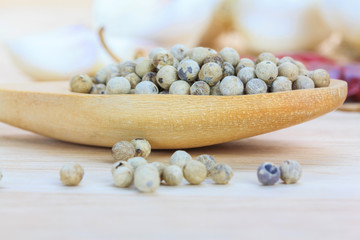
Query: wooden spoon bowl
[(167, 121)]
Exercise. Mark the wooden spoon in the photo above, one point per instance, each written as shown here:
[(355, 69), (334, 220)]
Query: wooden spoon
[(167, 121)]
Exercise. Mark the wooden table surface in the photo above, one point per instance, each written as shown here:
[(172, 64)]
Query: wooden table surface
[(325, 204)]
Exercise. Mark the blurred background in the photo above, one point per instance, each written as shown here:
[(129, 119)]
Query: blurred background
[(47, 40)]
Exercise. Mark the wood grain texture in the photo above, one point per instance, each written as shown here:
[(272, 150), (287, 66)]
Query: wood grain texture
[(167, 121), (324, 204)]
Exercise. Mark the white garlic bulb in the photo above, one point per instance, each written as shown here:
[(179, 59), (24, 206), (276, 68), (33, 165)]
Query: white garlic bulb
[(56, 55), (281, 25)]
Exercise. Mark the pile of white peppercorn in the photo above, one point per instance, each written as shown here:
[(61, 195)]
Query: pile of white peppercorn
[(201, 71), (131, 166), (290, 172)]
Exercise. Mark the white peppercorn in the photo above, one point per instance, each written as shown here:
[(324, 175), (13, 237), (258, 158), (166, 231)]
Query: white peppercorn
[(289, 70), (321, 78), (303, 82), (188, 70), (146, 87), (210, 73), (215, 90), (114, 70), (215, 59), (166, 76), (146, 178), (231, 85), (142, 147), (200, 88), (176, 63), (81, 83), (266, 71), (281, 84), (144, 66), (230, 55), (244, 62), (195, 172), (118, 164), (179, 51), (180, 87), (118, 85), (123, 176), (208, 161), (135, 162), (98, 89), (103, 75), (221, 173), (155, 51), (133, 79), (71, 174), (228, 69), (268, 173), (162, 59), (127, 67), (150, 76), (180, 158), (304, 72), (198, 54), (160, 167), (173, 175), (246, 74), (286, 59), (266, 56), (290, 171), (123, 150), (255, 86), (300, 65)]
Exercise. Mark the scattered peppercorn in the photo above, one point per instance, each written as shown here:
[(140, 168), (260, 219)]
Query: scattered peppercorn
[(123, 176), (221, 173), (172, 175), (135, 162), (180, 158), (146, 178), (123, 150), (195, 172), (71, 174), (268, 173), (290, 171), (207, 160), (142, 147)]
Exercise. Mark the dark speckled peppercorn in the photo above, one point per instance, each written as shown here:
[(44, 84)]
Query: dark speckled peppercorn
[(268, 173)]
